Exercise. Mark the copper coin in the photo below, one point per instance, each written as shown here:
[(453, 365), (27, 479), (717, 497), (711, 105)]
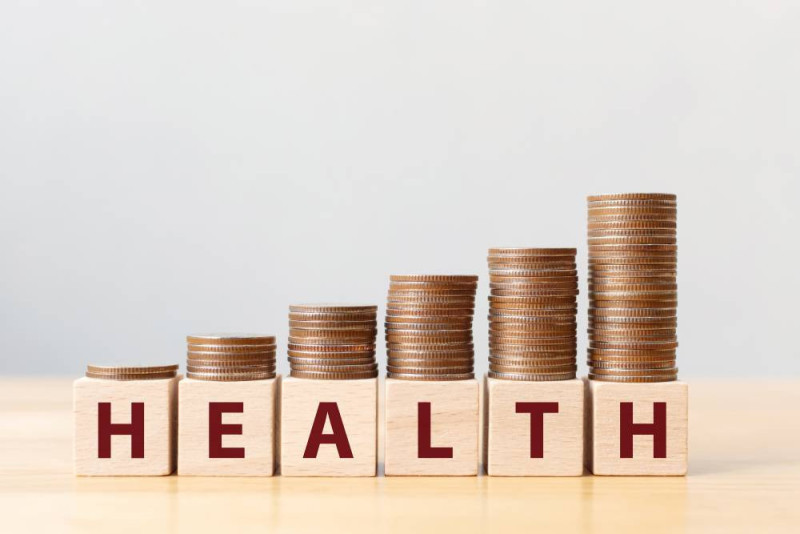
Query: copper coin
[(241, 377), (499, 368), (293, 360), (333, 316), (327, 368), (232, 349), (330, 355), (345, 347), (562, 326), (228, 369), (635, 372), (531, 251), (230, 339), (444, 278), (434, 288), (633, 312), (431, 378), (417, 311), (631, 365), (530, 377), (467, 294), (453, 320), (333, 308), (631, 232), (639, 379), (534, 282), (142, 369), (432, 354), (414, 329), (131, 376), (460, 345), (422, 338), (461, 369), (427, 363), (432, 300), (227, 357), (652, 224), (316, 375), (532, 360), (325, 325), (635, 345)]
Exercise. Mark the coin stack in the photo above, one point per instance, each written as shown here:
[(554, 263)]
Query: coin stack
[(429, 327), (532, 313), (230, 357), (332, 342), (113, 372), (632, 287)]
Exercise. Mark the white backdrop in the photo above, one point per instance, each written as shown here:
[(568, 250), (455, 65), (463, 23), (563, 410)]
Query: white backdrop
[(176, 167)]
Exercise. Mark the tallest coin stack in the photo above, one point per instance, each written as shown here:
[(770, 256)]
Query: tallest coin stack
[(633, 294)]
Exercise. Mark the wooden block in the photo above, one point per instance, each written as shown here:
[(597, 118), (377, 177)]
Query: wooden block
[(534, 428), (227, 428), (125, 427), (431, 427), (329, 427), (639, 429)]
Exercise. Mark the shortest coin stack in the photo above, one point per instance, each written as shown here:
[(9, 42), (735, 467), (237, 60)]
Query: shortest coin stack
[(230, 357), (332, 342), (113, 372)]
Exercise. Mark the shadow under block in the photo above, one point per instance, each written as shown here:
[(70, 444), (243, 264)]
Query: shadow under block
[(329, 427), (431, 427), (534, 428), (638, 428), (226, 428), (125, 427)]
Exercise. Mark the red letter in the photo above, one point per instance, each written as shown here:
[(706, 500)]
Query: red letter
[(216, 429), (424, 449), (338, 436), (537, 411), (657, 429), (105, 429)]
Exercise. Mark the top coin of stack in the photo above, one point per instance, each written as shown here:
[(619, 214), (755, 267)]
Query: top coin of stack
[(532, 313), (332, 342), (633, 293), (115, 372), (429, 327), (230, 357)]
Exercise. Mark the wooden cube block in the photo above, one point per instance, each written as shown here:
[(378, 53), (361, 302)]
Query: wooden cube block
[(227, 428), (431, 427), (534, 428), (329, 427), (638, 429), (125, 427)]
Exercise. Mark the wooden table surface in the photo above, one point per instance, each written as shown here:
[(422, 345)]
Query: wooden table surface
[(744, 476)]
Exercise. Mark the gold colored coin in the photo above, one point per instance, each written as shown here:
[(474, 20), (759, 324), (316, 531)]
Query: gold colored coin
[(230, 339), (333, 308), (446, 278)]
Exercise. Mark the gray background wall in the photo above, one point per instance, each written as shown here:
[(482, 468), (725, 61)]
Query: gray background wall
[(174, 167)]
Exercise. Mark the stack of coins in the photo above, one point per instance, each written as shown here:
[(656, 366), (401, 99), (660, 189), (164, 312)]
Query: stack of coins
[(532, 313), (633, 294), (230, 357), (429, 327), (114, 372), (332, 342)]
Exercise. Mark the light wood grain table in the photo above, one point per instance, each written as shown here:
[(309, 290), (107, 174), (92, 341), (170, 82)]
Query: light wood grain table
[(744, 476)]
